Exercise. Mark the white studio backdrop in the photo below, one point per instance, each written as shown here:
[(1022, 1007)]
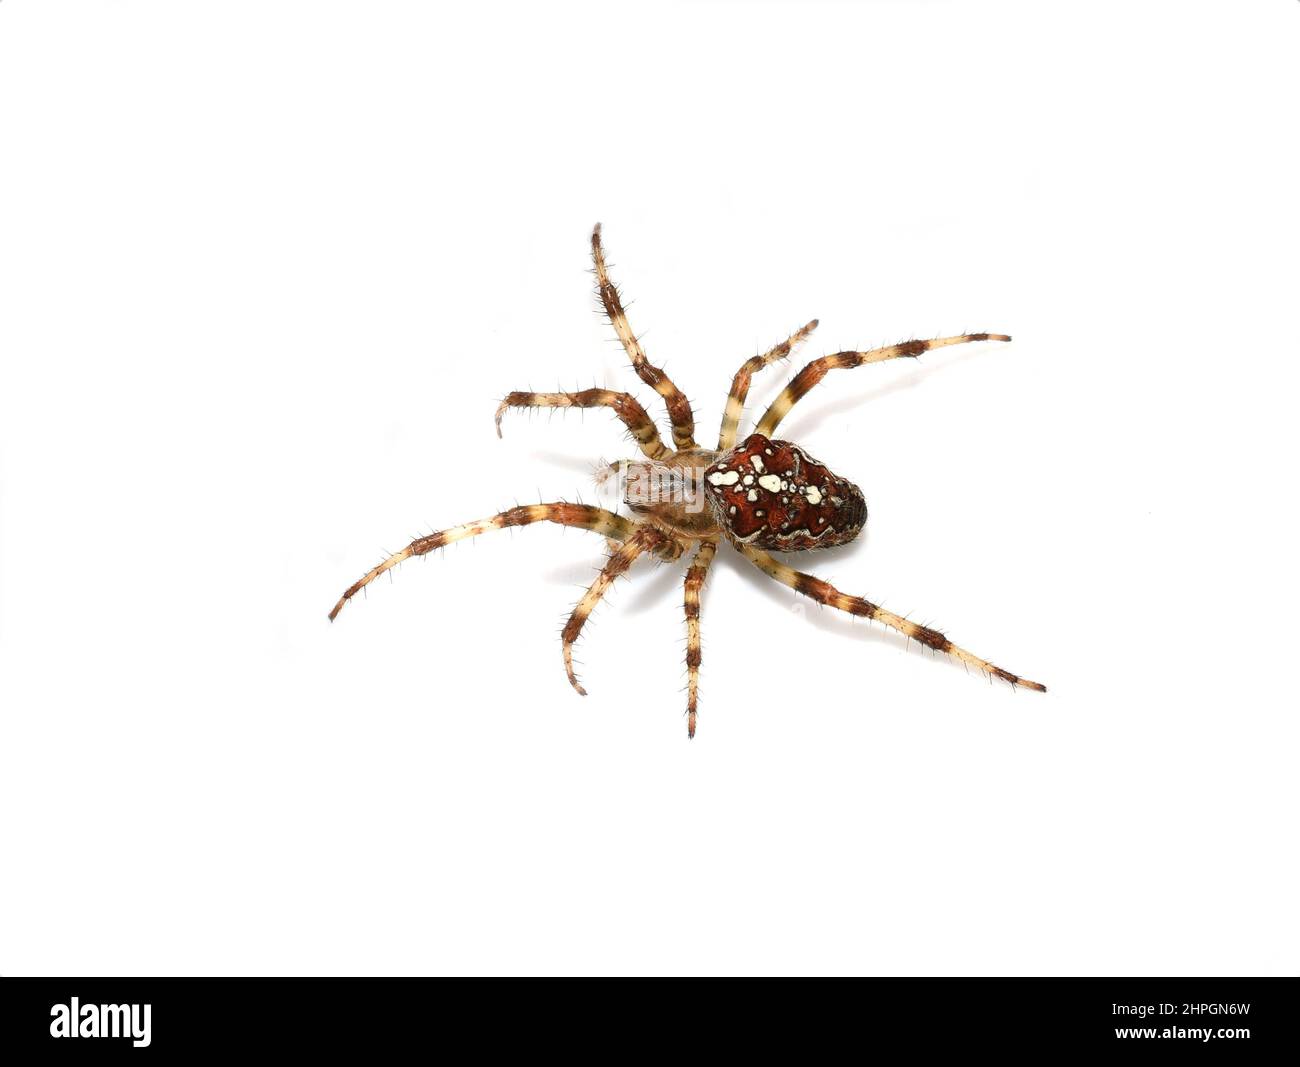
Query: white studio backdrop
[(266, 270)]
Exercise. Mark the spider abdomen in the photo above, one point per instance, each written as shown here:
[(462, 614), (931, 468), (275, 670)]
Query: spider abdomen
[(772, 494)]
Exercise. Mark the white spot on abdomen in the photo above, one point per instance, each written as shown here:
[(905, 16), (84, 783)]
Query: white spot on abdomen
[(730, 478), (771, 483)]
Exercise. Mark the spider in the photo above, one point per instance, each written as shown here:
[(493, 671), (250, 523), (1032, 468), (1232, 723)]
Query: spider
[(759, 496)]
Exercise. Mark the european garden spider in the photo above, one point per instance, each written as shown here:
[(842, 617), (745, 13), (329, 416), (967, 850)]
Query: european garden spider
[(761, 494)]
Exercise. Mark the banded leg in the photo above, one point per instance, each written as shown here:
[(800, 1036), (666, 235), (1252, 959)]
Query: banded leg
[(740, 385), (695, 576), (802, 382), (580, 515), (625, 406), (645, 538), (679, 408), (825, 593)]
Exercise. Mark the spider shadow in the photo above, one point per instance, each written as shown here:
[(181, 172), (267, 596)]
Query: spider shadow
[(666, 584), (564, 461), (668, 577), (662, 580), (828, 620), (808, 419)]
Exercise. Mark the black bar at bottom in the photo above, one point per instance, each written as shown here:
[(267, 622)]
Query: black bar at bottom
[(1236, 1017)]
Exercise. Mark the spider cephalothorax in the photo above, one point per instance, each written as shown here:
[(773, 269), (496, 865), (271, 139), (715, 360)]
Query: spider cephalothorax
[(763, 494)]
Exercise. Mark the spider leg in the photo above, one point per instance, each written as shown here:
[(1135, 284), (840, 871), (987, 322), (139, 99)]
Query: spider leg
[(695, 576), (580, 515), (825, 593), (679, 408), (815, 371), (740, 384), (645, 537), (625, 406)]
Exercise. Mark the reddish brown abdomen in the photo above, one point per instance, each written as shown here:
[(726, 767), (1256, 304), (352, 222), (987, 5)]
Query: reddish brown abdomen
[(773, 495)]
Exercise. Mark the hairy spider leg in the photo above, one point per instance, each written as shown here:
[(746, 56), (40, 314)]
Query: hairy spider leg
[(579, 515), (625, 406), (695, 575), (644, 539), (825, 593), (815, 371), (740, 384), (679, 408)]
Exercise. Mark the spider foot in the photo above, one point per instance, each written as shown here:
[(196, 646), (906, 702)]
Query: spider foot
[(568, 669)]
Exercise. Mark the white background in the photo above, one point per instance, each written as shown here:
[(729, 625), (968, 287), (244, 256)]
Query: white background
[(265, 270)]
